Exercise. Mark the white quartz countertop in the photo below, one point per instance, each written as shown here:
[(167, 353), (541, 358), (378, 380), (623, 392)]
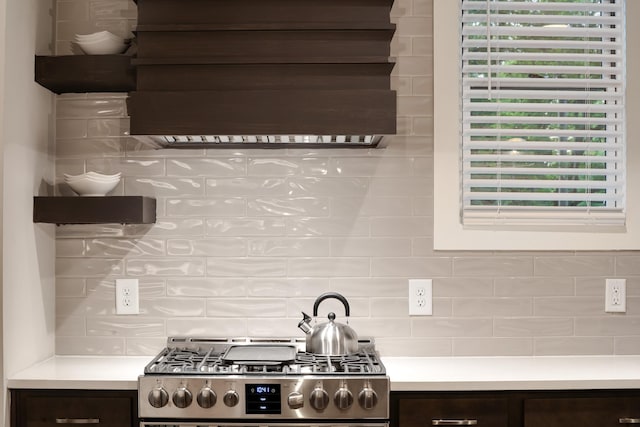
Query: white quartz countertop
[(406, 373)]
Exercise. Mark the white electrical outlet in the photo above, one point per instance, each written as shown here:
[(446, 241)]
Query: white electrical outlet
[(127, 296), (615, 296), (420, 297)]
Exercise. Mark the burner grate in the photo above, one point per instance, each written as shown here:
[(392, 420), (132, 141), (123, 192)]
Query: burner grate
[(211, 361)]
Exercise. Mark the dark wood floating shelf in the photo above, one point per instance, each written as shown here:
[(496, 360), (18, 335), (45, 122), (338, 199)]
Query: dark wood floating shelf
[(95, 210), (85, 73)]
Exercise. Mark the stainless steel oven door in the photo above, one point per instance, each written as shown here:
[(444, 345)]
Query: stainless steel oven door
[(206, 423)]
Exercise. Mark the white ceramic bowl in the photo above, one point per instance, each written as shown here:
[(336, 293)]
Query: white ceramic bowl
[(93, 176), (97, 35), (92, 187), (105, 46)]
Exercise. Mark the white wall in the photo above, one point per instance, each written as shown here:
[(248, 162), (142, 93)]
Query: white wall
[(29, 251)]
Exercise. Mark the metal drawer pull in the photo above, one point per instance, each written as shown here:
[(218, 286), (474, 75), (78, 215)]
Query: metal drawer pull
[(629, 421), (77, 420), (464, 422)]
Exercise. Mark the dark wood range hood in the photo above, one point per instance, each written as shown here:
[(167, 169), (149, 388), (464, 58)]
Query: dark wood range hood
[(266, 72)]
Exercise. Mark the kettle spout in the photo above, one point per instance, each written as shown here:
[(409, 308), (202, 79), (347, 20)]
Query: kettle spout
[(305, 323)]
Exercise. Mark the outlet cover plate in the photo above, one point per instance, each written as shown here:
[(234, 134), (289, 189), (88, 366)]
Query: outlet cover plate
[(420, 297), (127, 296), (615, 296)]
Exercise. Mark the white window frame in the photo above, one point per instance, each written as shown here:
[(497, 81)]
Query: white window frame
[(449, 233)]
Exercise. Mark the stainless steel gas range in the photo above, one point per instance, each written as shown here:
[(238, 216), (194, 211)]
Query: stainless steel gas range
[(262, 382)]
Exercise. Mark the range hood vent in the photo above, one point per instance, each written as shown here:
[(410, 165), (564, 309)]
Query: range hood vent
[(213, 73), (262, 141)]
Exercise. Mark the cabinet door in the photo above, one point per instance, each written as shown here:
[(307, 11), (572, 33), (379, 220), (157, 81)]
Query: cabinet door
[(454, 411), (59, 408), (582, 412)]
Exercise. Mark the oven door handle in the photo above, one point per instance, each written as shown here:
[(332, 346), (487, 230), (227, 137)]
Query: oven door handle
[(77, 420), (465, 422)]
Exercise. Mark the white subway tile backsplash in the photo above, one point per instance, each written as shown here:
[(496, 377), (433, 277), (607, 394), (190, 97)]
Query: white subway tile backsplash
[(207, 287), (136, 346), (245, 227), (211, 207), (411, 267), (451, 327), (581, 346), (235, 187), (247, 238), (295, 206), (88, 267), (500, 307), (165, 187), (328, 187), (128, 167), (577, 265), (70, 326), (334, 226), (533, 326), (246, 307), (402, 227), (289, 247), (355, 207), (329, 267), (81, 148), (165, 267), (209, 167), (173, 307), (207, 327), (125, 327), (243, 267), (178, 227), (105, 247), (288, 287), (91, 108), (207, 247), (375, 247), (278, 166), (94, 346), (68, 287)]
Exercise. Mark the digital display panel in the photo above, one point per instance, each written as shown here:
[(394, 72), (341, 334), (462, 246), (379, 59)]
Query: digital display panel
[(263, 399)]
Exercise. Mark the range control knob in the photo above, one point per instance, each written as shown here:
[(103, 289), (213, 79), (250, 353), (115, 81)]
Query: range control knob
[(158, 397), (295, 400), (206, 397), (319, 399), (182, 397), (343, 398), (231, 398), (367, 398)]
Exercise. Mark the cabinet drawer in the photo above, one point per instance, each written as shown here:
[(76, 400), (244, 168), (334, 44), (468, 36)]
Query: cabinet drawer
[(71, 408), (582, 411), (425, 412)]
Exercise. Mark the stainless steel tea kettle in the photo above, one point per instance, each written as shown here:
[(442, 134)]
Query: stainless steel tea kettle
[(330, 338)]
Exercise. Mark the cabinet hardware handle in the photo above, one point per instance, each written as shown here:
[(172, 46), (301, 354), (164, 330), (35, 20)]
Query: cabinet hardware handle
[(629, 421), (77, 420), (464, 422)]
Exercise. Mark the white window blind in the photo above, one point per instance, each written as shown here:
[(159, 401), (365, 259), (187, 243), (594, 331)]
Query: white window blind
[(542, 112)]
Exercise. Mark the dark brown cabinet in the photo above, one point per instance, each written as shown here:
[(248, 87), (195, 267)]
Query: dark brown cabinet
[(44, 408), (558, 408), (582, 411), (453, 409)]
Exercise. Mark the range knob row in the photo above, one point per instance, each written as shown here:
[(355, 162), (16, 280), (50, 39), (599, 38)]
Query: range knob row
[(182, 397), (343, 399), (319, 398)]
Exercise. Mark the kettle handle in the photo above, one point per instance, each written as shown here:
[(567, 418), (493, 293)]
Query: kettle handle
[(335, 295)]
